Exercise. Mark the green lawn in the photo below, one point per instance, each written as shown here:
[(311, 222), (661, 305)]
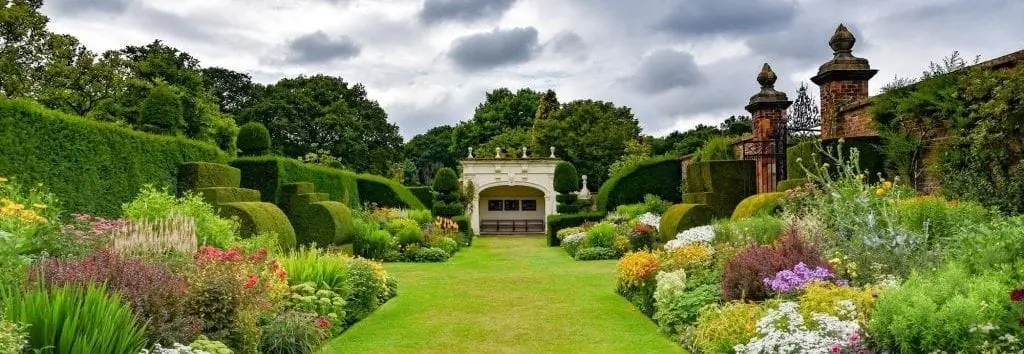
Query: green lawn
[(507, 295)]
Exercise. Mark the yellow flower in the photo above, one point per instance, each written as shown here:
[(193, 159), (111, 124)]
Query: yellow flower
[(39, 206), (880, 192), (887, 184), (2, 179)]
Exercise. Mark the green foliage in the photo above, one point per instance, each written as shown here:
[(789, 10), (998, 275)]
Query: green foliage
[(940, 219), (221, 195), (510, 141), (371, 287), (788, 184), (595, 254), (759, 229), (558, 222), (758, 204), (683, 217), (990, 246), (600, 235), (800, 156), (77, 320), (944, 311), (319, 267), (448, 200), (431, 151), (636, 151), (292, 332), (719, 328), (253, 139), (326, 223), (718, 148), (426, 254), (465, 228), (153, 204), (195, 175), (424, 193), (319, 300), (371, 242), (660, 176), (268, 174), (12, 336), (268, 240), (256, 218), (210, 346), (680, 310), (93, 167), (410, 235), (502, 110), (386, 193), (566, 179), (721, 185), (446, 181), (161, 111)]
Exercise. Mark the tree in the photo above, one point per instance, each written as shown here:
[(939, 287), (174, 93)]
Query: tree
[(160, 112), (591, 135), (448, 200), (253, 139), (431, 151), (501, 110), (636, 151), (235, 91), (736, 125), (547, 106), (309, 113), (23, 40), (567, 182), (511, 141), (77, 81)]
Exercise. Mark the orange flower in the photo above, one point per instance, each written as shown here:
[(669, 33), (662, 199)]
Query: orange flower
[(635, 268), (880, 192), (954, 203)]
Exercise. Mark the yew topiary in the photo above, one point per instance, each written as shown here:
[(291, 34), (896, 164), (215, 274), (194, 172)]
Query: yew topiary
[(566, 178), (253, 139)]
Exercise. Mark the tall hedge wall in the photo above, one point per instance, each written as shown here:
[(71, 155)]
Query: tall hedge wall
[(720, 185), (424, 193), (661, 176), (386, 192), (268, 173), (93, 167)]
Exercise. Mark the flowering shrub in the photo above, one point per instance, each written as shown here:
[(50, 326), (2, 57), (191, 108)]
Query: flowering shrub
[(370, 286), (155, 292), (719, 328), (690, 256), (569, 231), (600, 235), (158, 204), (641, 236), (572, 243), (85, 233), (826, 299), (760, 229), (744, 274), (637, 268), (800, 276), (321, 300), (785, 330), (700, 234), (12, 336), (677, 305), (650, 219), (28, 222)]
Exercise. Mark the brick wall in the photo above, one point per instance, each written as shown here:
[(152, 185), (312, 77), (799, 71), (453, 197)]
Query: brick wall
[(844, 109)]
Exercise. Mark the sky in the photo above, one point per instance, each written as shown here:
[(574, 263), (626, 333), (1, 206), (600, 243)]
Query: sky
[(676, 63)]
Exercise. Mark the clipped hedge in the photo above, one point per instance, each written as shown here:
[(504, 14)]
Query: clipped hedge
[(257, 217), (872, 159), (92, 167), (558, 222), (326, 223), (195, 175), (661, 176), (721, 185), (219, 195), (386, 192), (268, 173), (466, 228), (765, 203), (680, 217), (424, 193)]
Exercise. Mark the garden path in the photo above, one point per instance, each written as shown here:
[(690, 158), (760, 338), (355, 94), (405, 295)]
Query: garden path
[(505, 295)]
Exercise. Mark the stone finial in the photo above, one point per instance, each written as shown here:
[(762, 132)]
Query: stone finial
[(470, 152), (767, 77), (497, 152), (524, 152), (552, 152), (584, 192), (842, 41)]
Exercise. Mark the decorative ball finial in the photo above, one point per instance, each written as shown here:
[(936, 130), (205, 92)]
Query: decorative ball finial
[(842, 41), (497, 152), (470, 152), (552, 152), (767, 77), (524, 152)]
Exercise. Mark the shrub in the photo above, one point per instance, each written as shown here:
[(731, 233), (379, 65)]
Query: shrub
[(161, 111), (595, 254), (940, 219), (661, 176), (293, 332), (558, 222), (155, 293), (638, 268), (674, 313), (785, 329), (721, 185), (567, 180), (111, 163), (992, 246), (801, 156), (642, 236), (74, 319), (424, 193), (758, 204), (950, 310), (195, 175), (682, 217), (12, 336), (688, 256), (448, 201), (426, 254), (154, 204), (828, 299), (268, 174), (210, 346), (321, 301), (744, 274), (631, 211), (319, 267), (253, 139), (407, 236), (256, 218), (371, 287), (373, 245), (28, 224), (719, 328), (421, 216), (384, 192), (573, 243), (600, 235), (761, 229), (718, 148)]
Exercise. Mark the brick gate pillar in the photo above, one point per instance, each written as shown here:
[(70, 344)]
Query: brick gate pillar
[(768, 115), (843, 80)]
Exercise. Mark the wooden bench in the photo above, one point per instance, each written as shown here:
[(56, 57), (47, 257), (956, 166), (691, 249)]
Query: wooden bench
[(493, 226)]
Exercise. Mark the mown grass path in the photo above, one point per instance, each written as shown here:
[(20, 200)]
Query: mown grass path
[(505, 295)]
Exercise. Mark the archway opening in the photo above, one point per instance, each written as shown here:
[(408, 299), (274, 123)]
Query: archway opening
[(509, 210)]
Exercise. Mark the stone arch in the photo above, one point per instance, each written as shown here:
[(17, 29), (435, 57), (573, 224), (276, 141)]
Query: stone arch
[(512, 208)]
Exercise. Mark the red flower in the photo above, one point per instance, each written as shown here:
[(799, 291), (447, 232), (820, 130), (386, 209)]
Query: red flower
[(251, 282), (1017, 295), (836, 349), (323, 322)]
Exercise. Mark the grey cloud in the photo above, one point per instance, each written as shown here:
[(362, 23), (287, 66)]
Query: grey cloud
[(666, 69), (735, 17), (568, 43), (436, 11), (318, 47), (82, 7), (496, 48)]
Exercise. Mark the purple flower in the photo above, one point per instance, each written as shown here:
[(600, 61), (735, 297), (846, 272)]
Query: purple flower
[(796, 278)]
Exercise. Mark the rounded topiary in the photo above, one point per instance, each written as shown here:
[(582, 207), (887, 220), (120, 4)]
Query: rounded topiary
[(680, 217), (161, 111), (253, 139), (567, 180), (764, 203), (446, 181)]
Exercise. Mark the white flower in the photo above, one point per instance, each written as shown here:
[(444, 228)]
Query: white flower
[(669, 284), (700, 234), (574, 238), (649, 219), (784, 331)]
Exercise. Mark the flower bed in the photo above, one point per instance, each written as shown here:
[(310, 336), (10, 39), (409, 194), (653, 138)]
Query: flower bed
[(630, 228), (398, 235)]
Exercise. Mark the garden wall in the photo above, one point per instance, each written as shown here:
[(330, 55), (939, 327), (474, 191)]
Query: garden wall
[(268, 173), (721, 185), (662, 176), (93, 167)]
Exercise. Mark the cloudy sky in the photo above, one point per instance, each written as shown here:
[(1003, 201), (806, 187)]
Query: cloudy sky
[(676, 63)]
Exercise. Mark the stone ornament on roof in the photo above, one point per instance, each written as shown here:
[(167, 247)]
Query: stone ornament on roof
[(552, 152), (524, 153), (843, 63), (768, 96), (470, 152)]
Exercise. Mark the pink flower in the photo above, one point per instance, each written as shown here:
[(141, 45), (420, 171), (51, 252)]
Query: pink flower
[(837, 349), (323, 322), (1017, 295), (251, 282)]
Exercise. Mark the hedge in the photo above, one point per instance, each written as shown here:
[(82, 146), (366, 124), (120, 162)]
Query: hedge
[(872, 159), (219, 195), (195, 175), (268, 173), (465, 228), (558, 222), (765, 203), (721, 185), (661, 176), (386, 192), (92, 167), (424, 193), (326, 223), (807, 153), (680, 217), (257, 217)]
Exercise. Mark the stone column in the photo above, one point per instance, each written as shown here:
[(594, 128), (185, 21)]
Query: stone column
[(843, 80), (768, 114)]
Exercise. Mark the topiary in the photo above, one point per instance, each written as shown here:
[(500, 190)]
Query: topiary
[(447, 202), (445, 181), (253, 139), (161, 111), (566, 178)]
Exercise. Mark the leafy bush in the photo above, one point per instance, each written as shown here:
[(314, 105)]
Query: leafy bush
[(762, 230), (718, 148), (683, 217), (636, 279), (384, 192), (446, 184), (595, 254), (661, 176), (573, 243), (688, 256), (600, 235), (210, 346), (371, 287), (719, 328), (396, 225), (567, 180), (720, 185), (992, 246), (421, 216), (758, 204), (426, 254), (950, 310), (111, 163), (74, 319), (829, 298), (253, 139), (940, 219), (155, 204), (12, 336), (558, 222), (155, 293), (409, 236), (785, 329), (28, 223), (293, 332), (319, 267), (161, 111), (642, 236), (321, 301), (269, 174), (744, 274), (373, 245), (677, 304)]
